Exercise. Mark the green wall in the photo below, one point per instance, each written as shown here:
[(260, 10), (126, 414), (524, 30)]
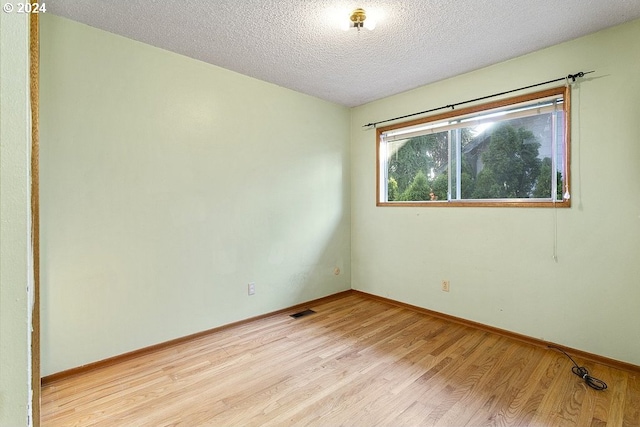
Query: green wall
[(167, 185), (16, 273), (500, 260)]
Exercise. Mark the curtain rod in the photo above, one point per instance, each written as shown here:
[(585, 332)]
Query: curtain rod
[(573, 78)]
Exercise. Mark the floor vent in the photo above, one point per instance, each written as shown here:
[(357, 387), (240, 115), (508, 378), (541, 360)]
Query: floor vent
[(302, 313)]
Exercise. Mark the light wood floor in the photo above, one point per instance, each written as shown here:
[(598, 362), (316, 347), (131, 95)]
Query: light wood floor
[(357, 361)]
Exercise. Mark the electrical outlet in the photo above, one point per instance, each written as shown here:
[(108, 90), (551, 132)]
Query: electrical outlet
[(445, 285), (251, 288)]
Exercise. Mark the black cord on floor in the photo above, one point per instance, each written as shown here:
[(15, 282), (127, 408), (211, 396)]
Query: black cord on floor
[(582, 372)]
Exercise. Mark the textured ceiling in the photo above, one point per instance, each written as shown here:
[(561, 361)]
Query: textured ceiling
[(298, 44)]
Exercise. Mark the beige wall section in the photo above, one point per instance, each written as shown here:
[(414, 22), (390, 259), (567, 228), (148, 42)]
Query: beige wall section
[(15, 267), (499, 261), (167, 185)]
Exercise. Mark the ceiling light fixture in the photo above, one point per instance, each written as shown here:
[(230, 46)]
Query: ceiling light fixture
[(358, 19)]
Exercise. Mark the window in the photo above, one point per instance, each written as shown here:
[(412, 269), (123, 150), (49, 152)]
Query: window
[(513, 152)]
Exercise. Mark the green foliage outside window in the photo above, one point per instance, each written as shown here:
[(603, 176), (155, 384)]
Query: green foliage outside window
[(512, 152), (511, 168)]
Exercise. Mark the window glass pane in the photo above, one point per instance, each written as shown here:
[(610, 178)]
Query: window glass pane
[(560, 156), (505, 159), (417, 168)]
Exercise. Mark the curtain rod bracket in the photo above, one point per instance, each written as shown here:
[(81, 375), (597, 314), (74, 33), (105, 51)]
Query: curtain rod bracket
[(573, 77)]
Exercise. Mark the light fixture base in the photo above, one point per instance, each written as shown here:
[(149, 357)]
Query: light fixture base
[(357, 17), (358, 20)]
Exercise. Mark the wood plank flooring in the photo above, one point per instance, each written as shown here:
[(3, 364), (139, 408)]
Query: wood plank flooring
[(356, 362)]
